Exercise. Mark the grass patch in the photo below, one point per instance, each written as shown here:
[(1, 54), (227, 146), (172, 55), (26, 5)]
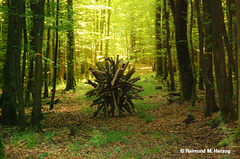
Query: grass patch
[(76, 146), (26, 140), (100, 138), (149, 119)]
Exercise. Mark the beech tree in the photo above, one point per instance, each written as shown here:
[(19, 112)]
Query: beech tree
[(70, 55), (55, 61), (225, 99), (237, 132), (12, 77), (179, 10), (206, 59), (37, 7), (159, 69)]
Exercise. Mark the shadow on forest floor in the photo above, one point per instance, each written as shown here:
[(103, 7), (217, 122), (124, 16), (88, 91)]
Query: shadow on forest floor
[(156, 131)]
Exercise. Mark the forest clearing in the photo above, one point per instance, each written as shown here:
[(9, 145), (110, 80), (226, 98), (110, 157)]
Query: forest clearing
[(156, 131)]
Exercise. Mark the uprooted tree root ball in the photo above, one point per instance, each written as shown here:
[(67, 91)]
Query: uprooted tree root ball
[(112, 89)]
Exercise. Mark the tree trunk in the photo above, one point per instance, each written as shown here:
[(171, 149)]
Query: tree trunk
[(108, 29), (237, 132), (194, 95), (30, 83), (201, 43), (46, 69), (210, 101), (225, 100), (70, 64), (179, 11), (164, 43), (12, 74), (19, 79), (170, 69), (230, 37), (159, 61), (38, 25), (55, 61)]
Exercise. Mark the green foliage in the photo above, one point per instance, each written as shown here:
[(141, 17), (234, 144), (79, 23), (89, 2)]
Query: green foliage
[(30, 139), (97, 139), (213, 123), (43, 155), (76, 146), (100, 138), (2, 153), (149, 119), (27, 140)]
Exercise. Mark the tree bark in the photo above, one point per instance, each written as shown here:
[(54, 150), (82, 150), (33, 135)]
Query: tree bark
[(37, 6), (210, 101), (194, 95), (237, 132), (225, 100), (46, 68), (159, 61), (170, 69), (55, 62), (108, 29), (179, 11), (12, 74), (70, 64)]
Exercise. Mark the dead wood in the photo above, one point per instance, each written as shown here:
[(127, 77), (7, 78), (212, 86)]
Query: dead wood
[(113, 89)]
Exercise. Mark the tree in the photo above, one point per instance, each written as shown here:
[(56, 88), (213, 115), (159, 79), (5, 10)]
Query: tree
[(179, 10), (237, 132), (206, 59), (12, 76), (46, 68), (55, 61), (108, 28), (170, 69), (225, 99), (2, 153), (37, 7), (70, 64), (159, 69)]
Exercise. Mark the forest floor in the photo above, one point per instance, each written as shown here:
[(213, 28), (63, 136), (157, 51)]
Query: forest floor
[(156, 131)]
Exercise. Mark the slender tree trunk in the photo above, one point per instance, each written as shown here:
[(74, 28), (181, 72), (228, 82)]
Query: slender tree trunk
[(38, 26), (30, 85), (194, 95), (201, 42), (179, 11), (19, 74), (46, 69), (25, 38), (164, 43), (70, 64), (55, 61), (230, 37), (237, 132), (225, 100), (210, 101), (108, 28), (170, 69), (159, 61)]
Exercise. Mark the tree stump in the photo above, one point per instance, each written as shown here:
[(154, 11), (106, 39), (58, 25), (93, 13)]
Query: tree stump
[(113, 89)]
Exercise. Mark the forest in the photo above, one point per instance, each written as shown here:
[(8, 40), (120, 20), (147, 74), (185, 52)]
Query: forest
[(119, 79)]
